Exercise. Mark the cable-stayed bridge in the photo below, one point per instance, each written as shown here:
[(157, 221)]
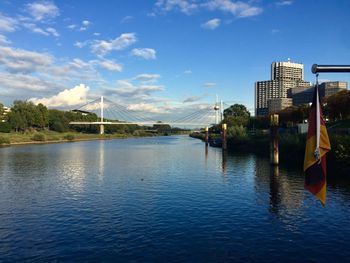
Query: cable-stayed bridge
[(111, 113)]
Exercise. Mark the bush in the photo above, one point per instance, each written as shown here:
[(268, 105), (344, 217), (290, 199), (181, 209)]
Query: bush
[(38, 137), (238, 132), (4, 140), (5, 127), (69, 137)]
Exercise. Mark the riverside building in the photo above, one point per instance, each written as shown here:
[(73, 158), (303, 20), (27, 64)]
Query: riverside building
[(302, 96), (284, 76)]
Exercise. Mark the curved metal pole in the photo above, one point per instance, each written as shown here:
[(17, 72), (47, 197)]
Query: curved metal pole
[(330, 68)]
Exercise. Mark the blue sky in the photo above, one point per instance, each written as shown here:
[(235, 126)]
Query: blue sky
[(161, 56)]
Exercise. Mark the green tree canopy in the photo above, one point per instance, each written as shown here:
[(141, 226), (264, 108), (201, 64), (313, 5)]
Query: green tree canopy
[(236, 115), (237, 110), (337, 106)]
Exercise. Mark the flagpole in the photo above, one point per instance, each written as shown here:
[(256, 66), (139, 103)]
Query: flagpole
[(318, 123)]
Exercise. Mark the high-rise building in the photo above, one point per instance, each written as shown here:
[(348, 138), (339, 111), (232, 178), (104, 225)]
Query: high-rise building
[(284, 76)]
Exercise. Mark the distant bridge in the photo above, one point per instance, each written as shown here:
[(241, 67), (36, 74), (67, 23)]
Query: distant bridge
[(204, 117)]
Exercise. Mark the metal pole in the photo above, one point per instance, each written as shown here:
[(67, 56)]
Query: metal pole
[(330, 68)]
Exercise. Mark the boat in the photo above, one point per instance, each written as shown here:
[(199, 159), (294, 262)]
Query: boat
[(217, 142)]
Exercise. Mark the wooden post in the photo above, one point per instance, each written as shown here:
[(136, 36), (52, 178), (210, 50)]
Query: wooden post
[(206, 139), (274, 153), (224, 136)]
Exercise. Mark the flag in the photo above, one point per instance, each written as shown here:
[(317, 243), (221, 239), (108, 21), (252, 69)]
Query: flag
[(317, 146)]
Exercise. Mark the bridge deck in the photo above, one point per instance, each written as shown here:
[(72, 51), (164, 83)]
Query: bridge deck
[(137, 123)]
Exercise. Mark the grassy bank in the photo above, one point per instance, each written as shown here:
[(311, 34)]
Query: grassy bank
[(17, 138)]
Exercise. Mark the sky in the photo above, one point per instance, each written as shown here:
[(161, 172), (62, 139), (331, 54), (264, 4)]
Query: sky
[(165, 55)]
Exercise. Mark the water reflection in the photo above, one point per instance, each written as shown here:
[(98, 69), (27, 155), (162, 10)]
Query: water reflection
[(145, 199), (275, 195), (285, 188), (224, 162), (101, 160)]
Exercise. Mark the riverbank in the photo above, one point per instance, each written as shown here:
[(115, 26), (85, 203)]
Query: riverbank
[(292, 149), (44, 137)]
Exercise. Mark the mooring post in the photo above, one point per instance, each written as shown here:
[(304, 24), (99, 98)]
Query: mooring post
[(224, 136), (206, 138), (274, 153)]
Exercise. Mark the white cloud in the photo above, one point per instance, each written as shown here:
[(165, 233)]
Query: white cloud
[(238, 8), (81, 44), (147, 77), (110, 65), (188, 71), (35, 29), (23, 61), (146, 53), (102, 47), (72, 26), (96, 34), (126, 19), (209, 84), (7, 24), (4, 40), (145, 107), (52, 31), (86, 23), (127, 90), (67, 97), (19, 83), (275, 31), (184, 6), (41, 10), (283, 3), (212, 24)]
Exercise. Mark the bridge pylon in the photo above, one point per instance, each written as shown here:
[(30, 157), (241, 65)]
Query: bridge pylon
[(102, 127)]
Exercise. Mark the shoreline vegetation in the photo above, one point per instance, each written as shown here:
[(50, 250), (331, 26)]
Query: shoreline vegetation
[(26, 123), (291, 148), (251, 134), (46, 137)]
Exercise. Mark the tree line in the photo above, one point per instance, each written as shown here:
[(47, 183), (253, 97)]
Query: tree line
[(26, 116)]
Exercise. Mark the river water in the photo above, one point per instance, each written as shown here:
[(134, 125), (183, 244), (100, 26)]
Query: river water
[(162, 199)]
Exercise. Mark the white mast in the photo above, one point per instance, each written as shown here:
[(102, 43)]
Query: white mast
[(101, 108)]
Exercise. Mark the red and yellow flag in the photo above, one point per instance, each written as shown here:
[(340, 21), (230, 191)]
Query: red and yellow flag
[(317, 145)]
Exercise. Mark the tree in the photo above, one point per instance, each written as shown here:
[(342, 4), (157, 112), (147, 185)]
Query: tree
[(23, 116), (2, 109), (236, 115), (237, 110), (42, 116), (2, 112), (337, 106), (16, 121)]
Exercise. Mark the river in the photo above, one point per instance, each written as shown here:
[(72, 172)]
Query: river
[(162, 199)]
